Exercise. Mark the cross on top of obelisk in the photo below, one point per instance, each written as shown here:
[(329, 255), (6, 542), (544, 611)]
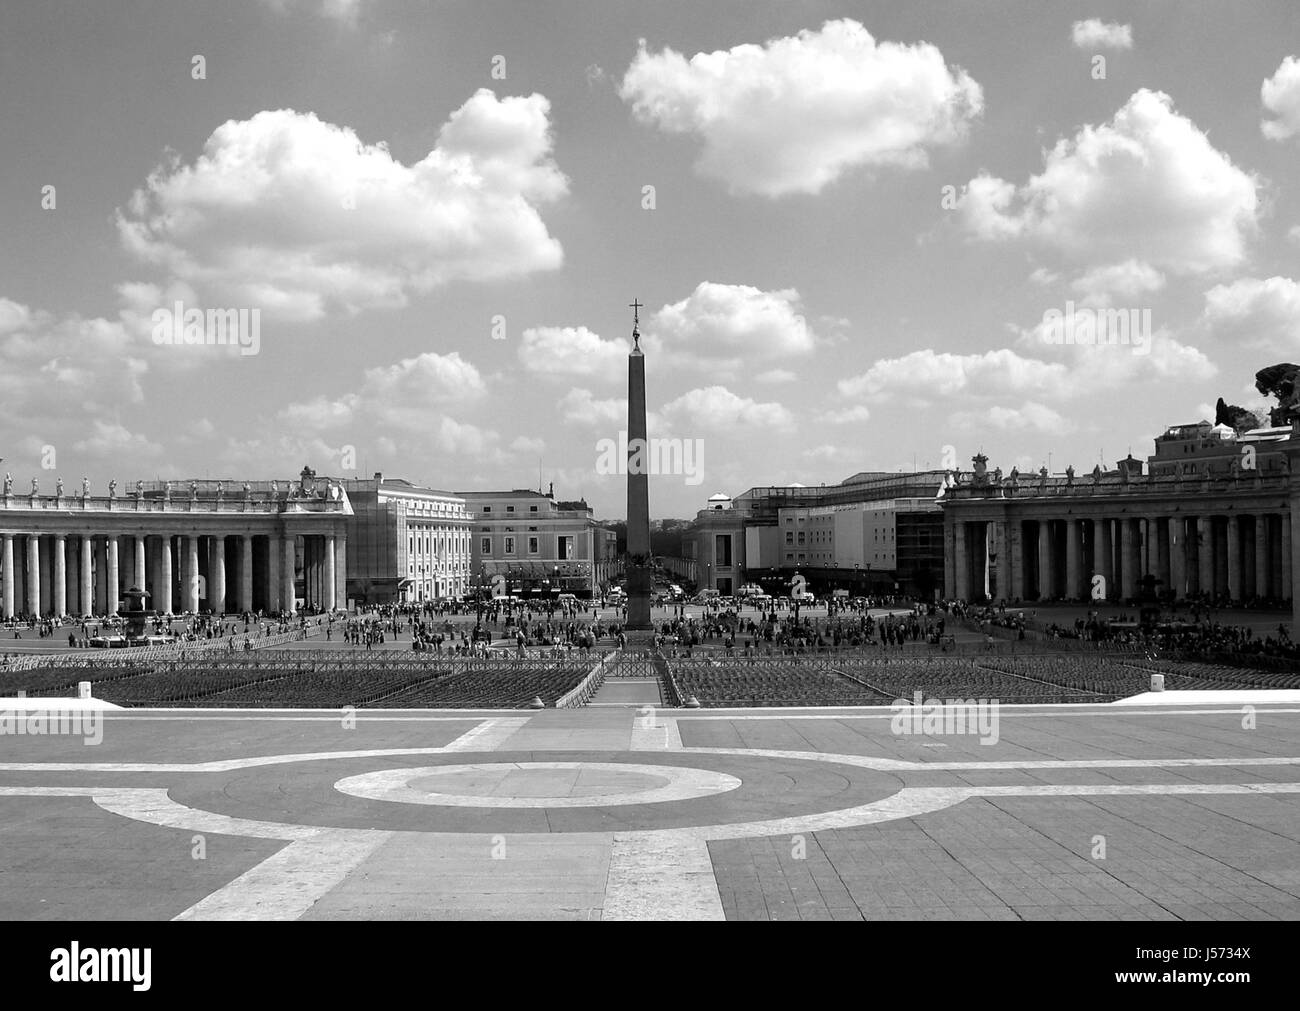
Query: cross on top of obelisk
[(635, 306)]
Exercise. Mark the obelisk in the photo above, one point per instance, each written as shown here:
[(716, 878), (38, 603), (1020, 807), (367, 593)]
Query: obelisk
[(639, 577)]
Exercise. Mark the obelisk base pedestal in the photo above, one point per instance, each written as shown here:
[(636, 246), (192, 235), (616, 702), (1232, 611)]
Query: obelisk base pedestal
[(639, 639)]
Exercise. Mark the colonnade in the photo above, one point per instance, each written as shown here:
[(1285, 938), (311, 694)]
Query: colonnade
[(1237, 556), (58, 573)]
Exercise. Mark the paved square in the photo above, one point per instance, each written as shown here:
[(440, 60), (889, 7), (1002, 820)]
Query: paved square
[(630, 812)]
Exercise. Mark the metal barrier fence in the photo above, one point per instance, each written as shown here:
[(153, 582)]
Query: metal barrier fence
[(589, 686)]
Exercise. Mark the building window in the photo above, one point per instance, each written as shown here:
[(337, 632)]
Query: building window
[(532, 509), (510, 545), (510, 509), (532, 545), (487, 509), (487, 545)]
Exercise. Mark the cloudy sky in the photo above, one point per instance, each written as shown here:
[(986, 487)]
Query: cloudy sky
[(850, 224)]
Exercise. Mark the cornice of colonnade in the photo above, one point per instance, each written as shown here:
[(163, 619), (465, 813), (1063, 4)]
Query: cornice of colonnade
[(1056, 510), (161, 524), (1194, 499)]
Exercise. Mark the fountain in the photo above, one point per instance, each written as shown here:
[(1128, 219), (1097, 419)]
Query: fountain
[(136, 616)]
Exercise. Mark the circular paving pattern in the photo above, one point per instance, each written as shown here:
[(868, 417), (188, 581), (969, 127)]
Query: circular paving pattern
[(569, 791), (538, 784)]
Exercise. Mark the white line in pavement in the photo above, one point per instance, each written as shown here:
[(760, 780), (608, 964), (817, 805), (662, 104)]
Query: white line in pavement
[(898, 765), (288, 884), (660, 877), (227, 765), (556, 784), (488, 735), (1005, 710), (362, 716), (655, 732)]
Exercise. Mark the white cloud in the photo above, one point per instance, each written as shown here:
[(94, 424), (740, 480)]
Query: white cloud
[(1294, 234), (579, 405), (1073, 371), (406, 395), (1117, 347), (1255, 313), (1280, 95), (345, 12), (276, 455), (67, 367), (1146, 186), (571, 351), (527, 444), (1031, 416), (773, 377), (928, 374), (298, 217), (727, 325), (464, 438), (113, 441), (1097, 34), (1128, 280), (845, 416), (795, 114), (714, 410)]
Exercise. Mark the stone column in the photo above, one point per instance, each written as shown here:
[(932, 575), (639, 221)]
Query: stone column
[(192, 576), (246, 572), (7, 561), (341, 573), (977, 546), (1205, 554), (33, 601), (101, 576), (1178, 556), (287, 574), (328, 594), (87, 575), (1220, 532), (1160, 527), (1046, 561), (1289, 560), (125, 563), (949, 561), (1261, 555), (112, 583), (140, 565), (1234, 557), (1002, 544), (1102, 564), (961, 565), (164, 595), (72, 578), (60, 602), (1072, 572), (1016, 559), (1128, 559), (217, 574), (274, 583), (155, 598)]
